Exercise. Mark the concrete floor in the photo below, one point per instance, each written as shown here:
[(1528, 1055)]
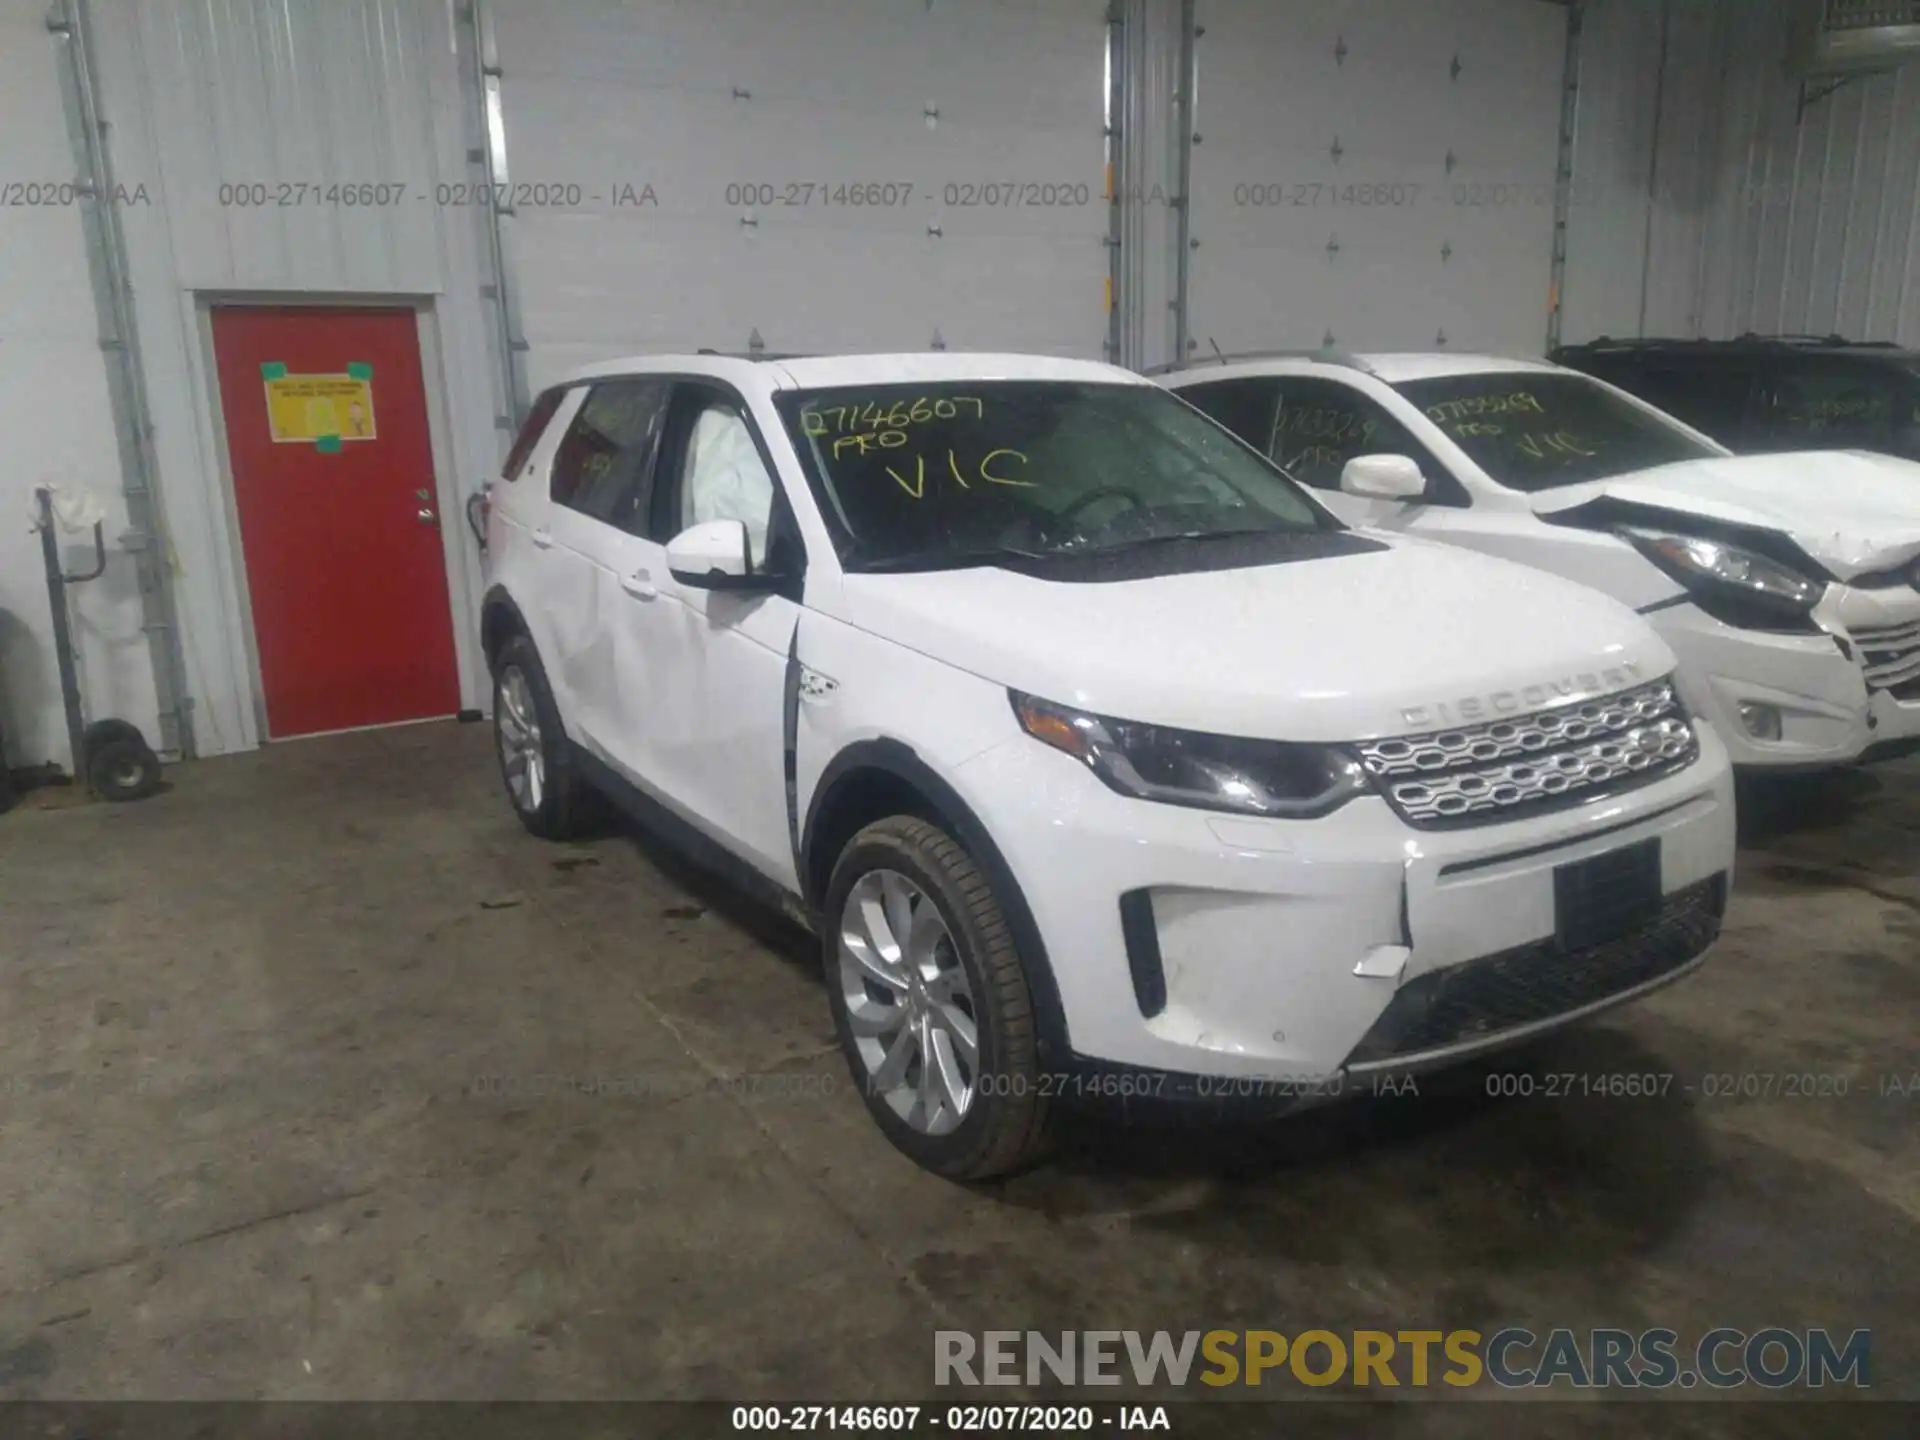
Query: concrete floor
[(250, 1144)]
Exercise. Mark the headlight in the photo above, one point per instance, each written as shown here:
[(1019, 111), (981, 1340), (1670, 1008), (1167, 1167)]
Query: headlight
[(1186, 767), (1735, 586)]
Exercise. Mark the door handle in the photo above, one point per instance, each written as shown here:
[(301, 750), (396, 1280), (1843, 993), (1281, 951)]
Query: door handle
[(542, 539), (427, 517), (639, 585)]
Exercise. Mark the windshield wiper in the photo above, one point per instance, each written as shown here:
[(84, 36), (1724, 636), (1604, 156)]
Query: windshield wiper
[(1148, 542), (946, 559)]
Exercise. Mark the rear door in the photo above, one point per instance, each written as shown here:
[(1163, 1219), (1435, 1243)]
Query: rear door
[(598, 485)]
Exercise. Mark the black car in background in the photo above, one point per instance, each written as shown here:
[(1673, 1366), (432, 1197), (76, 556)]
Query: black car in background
[(1761, 393)]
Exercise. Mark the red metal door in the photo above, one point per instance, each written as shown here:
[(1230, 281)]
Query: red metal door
[(326, 415)]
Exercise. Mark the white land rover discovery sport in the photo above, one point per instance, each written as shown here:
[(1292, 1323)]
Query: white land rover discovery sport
[(1103, 758)]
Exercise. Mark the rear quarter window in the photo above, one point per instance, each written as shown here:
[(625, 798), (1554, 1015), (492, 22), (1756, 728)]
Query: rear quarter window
[(530, 432)]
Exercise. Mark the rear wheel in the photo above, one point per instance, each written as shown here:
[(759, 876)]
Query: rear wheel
[(536, 763), (931, 1002)]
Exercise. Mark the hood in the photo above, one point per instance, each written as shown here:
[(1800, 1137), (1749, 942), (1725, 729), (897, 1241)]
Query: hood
[(1410, 637), (1852, 511)]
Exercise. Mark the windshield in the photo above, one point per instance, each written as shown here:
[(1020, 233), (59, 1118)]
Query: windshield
[(1535, 431), (961, 472)]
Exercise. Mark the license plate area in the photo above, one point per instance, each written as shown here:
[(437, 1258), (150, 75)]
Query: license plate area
[(1611, 895)]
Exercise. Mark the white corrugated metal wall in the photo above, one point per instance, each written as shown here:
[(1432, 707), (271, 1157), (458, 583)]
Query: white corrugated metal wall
[(1735, 212), (1699, 206), (1817, 216), (54, 414), (217, 105), (1643, 165), (228, 119)]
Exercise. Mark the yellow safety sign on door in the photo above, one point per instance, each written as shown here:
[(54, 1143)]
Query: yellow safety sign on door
[(320, 410)]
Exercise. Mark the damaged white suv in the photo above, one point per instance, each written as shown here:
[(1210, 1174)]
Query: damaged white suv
[(1788, 585), (1103, 759)]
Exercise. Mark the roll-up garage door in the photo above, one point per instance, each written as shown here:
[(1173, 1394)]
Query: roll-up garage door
[(1375, 171), (828, 174)]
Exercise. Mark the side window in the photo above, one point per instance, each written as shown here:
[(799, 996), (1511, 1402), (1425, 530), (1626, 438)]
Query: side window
[(1321, 425), (605, 461), (536, 423), (1246, 407), (1822, 406), (711, 469), (1710, 397)]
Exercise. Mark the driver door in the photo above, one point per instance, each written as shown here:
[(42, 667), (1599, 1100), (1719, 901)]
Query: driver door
[(712, 682)]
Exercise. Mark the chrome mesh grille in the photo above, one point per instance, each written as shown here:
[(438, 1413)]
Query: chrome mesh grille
[(1890, 657), (1481, 774)]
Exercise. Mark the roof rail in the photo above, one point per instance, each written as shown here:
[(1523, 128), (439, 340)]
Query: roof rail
[(1835, 341), (1796, 339), (754, 354), (1750, 337), (1611, 342), (1323, 354)]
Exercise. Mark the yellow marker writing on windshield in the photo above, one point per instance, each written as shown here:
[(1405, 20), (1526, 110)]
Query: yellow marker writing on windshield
[(1002, 480), (917, 485)]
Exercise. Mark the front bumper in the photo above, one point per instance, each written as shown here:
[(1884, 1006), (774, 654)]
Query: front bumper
[(1281, 947), (1836, 695)]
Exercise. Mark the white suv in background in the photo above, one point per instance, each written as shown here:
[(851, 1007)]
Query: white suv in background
[(1102, 758), (1788, 585)]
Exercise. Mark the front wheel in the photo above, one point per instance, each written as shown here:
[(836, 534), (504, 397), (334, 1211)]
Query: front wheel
[(931, 1002)]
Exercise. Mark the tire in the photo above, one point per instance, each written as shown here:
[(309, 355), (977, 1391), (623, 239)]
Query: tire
[(554, 803), (1002, 1125), (122, 767)]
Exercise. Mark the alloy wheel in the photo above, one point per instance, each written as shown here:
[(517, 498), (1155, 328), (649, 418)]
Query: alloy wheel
[(521, 754), (909, 1006)]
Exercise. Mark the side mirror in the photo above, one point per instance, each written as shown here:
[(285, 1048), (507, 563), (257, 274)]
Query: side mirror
[(714, 555), (1383, 477)]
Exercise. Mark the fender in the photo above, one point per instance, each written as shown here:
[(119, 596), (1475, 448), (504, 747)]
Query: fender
[(899, 760), (1606, 513), (498, 603)]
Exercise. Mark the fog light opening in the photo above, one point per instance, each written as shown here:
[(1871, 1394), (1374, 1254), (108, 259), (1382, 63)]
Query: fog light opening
[(1762, 722)]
